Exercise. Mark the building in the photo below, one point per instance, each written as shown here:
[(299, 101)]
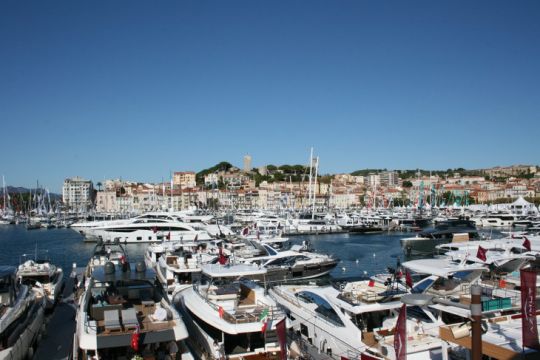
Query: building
[(106, 202), (184, 179), (77, 194), (389, 178), (247, 163), (211, 179)]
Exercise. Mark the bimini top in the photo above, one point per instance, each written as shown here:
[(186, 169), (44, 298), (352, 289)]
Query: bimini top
[(106, 273), (6, 270), (441, 267), (217, 270)]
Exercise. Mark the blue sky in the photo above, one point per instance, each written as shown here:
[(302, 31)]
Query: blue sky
[(135, 89)]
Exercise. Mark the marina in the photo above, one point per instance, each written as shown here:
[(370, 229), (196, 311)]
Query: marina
[(153, 281), (269, 180)]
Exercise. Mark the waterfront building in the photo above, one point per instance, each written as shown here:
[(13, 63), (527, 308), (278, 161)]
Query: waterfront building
[(184, 179), (106, 202), (389, 178), (211, 179), (77, 193)]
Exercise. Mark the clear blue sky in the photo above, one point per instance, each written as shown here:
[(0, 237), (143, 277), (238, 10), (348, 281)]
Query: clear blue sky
[(135, 89)]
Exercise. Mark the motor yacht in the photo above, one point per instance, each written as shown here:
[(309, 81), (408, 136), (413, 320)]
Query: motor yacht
[(351, 321), (141, 231), (45, 278), (125, 312), (292, 264), (444, 232), (230, 316), (21, 316)]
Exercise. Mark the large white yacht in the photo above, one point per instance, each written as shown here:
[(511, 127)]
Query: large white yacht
[(21, 316), (141, 231), (121, 301), (352, 321), (226, 314)]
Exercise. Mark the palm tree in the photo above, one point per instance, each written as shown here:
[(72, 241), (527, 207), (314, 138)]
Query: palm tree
[(99, 184)]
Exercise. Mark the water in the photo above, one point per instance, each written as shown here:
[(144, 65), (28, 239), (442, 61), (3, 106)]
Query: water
[(360, 255)]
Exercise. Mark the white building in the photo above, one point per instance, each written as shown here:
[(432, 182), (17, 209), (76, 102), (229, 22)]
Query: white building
[(77, 193)]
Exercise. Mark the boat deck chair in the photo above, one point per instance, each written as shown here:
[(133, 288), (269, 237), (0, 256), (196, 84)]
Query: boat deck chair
[(112, 321), (129, 318)]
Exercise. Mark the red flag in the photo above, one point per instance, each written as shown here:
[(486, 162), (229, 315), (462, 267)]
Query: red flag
[(222, 259), (527, 244), (282, 338), (168, 236), (245, 232), (408, 279), (502, 283), (528, 309), (481, 254), (371, 283), (220, 312), (135, 340), (400, 335)]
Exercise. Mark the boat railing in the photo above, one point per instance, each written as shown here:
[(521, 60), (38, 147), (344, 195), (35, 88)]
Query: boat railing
[(311, 349), (256, 312)]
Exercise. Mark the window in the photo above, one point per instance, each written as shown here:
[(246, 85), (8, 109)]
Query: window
[(323, 307)]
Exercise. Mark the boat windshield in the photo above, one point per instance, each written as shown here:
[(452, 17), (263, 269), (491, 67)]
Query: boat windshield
[(323, 307)]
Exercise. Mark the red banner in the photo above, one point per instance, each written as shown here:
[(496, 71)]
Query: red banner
[(528, 309), (281, 332), (400, 335), (408, 279), (481, 254)]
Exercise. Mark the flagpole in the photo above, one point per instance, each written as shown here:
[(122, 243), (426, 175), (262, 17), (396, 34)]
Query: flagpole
[(476, 315)]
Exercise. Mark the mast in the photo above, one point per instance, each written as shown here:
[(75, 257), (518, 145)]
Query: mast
[(314, 187), (310, 176)]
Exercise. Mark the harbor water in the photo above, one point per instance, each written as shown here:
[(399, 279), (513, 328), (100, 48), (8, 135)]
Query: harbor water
[(360, 255)]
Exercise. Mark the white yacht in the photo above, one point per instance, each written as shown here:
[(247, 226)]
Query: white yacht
[(21, 316), (178, 265), (292, 264), (122, 306), (352, 321), (141, 231), (45, 278), (496, 220), (230, 316)]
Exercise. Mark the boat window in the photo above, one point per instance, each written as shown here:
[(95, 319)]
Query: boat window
[(423, 285), (323, 307), (370, 320), (4, 284), (418, 313)]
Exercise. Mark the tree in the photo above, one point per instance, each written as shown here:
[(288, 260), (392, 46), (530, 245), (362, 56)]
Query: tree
[(99, 185), (407, 184)]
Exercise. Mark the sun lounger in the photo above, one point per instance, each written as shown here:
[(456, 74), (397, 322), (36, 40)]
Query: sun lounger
[(129, 318), (112, 321)]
